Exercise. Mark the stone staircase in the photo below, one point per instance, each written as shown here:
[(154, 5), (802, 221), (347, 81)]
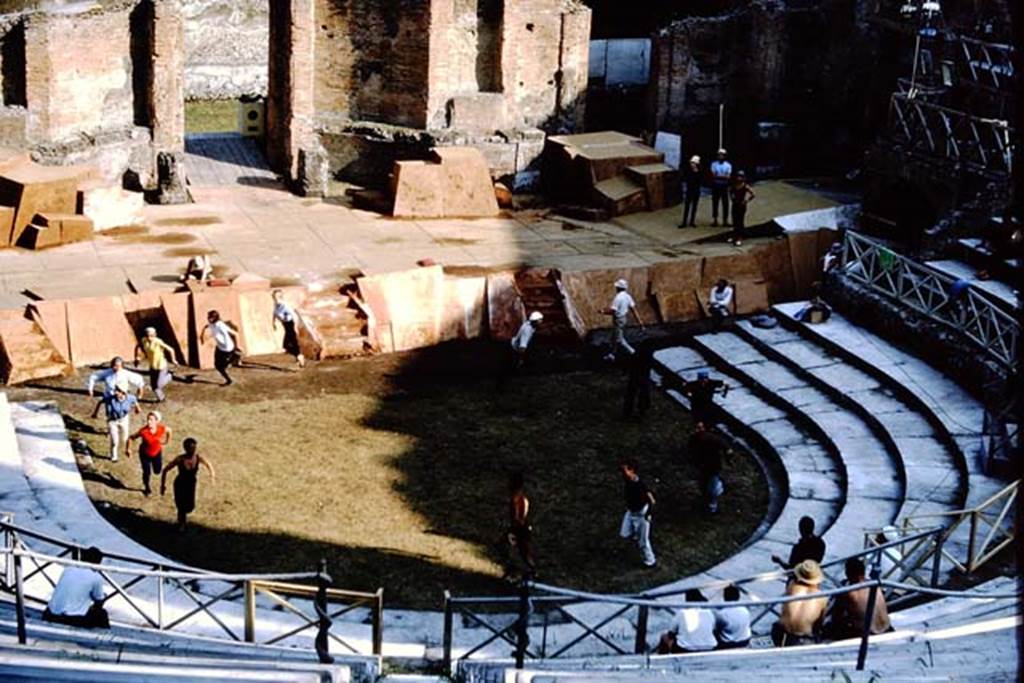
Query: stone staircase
[(26, 353), (539, 291), (336, 322)]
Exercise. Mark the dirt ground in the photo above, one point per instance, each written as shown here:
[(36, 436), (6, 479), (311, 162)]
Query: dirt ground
[(394, 468)]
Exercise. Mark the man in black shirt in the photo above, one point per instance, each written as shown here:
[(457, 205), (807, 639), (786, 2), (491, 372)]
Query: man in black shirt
[(636, 523), (691, 192), (638, 386), (706, 450), (809, 547), (702, 396)]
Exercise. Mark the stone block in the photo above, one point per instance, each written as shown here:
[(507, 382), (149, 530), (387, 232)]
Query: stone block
[(468, 190), (32, 189), (6, 222), (462, 315), (406, 306), (224, 300), (52, 318), (109, 206), (98, 330), (674, 286), (751, 296), (256, 306), (505, 309), (483, 112), (417, 190), (39, 237)]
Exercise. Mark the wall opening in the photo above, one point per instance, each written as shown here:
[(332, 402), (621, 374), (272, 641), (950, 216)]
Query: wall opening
[(489, 16), (141, 22), (13, 86)]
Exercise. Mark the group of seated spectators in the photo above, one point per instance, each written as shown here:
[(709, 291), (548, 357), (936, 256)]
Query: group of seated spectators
[(701, 629)]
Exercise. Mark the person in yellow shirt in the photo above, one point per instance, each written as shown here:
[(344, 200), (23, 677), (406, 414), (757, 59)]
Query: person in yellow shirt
[(155, 352)]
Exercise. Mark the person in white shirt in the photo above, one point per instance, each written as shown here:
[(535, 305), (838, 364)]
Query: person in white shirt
[(621, 306), (116, 375), (77, 599), (732, 624), (721, 176), (719, 301), (226, 353), (694, 630), (287, 317), (198, 268), (518, 347)]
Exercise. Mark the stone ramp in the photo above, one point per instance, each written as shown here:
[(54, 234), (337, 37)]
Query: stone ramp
[(26, 353)]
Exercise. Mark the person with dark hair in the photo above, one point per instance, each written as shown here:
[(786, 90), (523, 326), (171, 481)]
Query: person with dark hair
[(701, 393), (118, 406), (185, 483), (732, 624), (226, 354), (77, 599), (719, 302), (154, 436), (691, 192), (847, 619), (694, 630), (636, 522), (116, 375), (706, 450), (740, 194), (638, 386), (287, 317), (519, 533), (809, 547)]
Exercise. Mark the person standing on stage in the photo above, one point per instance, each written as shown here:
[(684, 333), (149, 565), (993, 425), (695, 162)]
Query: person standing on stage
[(721, 176), (691, 192)]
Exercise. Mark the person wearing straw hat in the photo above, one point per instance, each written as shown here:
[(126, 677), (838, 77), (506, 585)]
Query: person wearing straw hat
[(800, 621), (721, 176), (691, 192), (154, 436), (156, 351), (622, 305)]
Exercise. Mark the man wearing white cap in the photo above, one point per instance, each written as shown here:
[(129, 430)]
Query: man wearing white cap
[(520, 344), (620, 308), (721, 176), (691, 192), (155, 351)]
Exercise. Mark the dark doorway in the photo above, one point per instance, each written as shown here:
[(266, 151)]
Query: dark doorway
[(12, 67), (141, 46), (489, 17)]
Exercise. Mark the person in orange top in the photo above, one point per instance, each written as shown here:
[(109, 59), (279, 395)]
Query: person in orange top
[(153, 436)]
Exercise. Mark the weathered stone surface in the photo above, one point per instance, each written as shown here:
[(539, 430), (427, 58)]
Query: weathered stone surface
[(171, 187)]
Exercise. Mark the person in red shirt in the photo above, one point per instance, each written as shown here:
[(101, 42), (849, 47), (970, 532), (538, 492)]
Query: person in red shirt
[(153, 436)]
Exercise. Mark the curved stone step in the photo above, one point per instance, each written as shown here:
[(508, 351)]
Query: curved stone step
[(815, 488), (931, 469), (951, 409), (874, 489)]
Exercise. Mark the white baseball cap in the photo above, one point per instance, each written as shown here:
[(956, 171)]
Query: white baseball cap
[(722, 151), (536, 317), (695, 159), (621, 284)]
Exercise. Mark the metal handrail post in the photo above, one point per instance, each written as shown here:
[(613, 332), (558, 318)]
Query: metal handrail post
[(640, 644), (447, 637), (522, 624), (939, 544), (19, 593), (378, 623), (323, 614), (869, 615), (250, 611), (972, 541), (160, 602)]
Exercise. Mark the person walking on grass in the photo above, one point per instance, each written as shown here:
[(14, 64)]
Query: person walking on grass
[(622, 305), (118, 406), (691, 192), (185, 483), (154, 436), (741, 195), (706, 451), (155, 352), (520, 533), (286, 316), (636, 522), (519, 347), (226, 354), (116, 374)]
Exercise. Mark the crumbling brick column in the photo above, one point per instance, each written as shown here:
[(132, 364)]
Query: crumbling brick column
[(290, 107), (168, 94)]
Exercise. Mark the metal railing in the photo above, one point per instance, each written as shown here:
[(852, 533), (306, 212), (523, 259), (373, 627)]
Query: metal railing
[(919, 554), (143, 590), (927, 291), (992, 527), (982, 145)]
